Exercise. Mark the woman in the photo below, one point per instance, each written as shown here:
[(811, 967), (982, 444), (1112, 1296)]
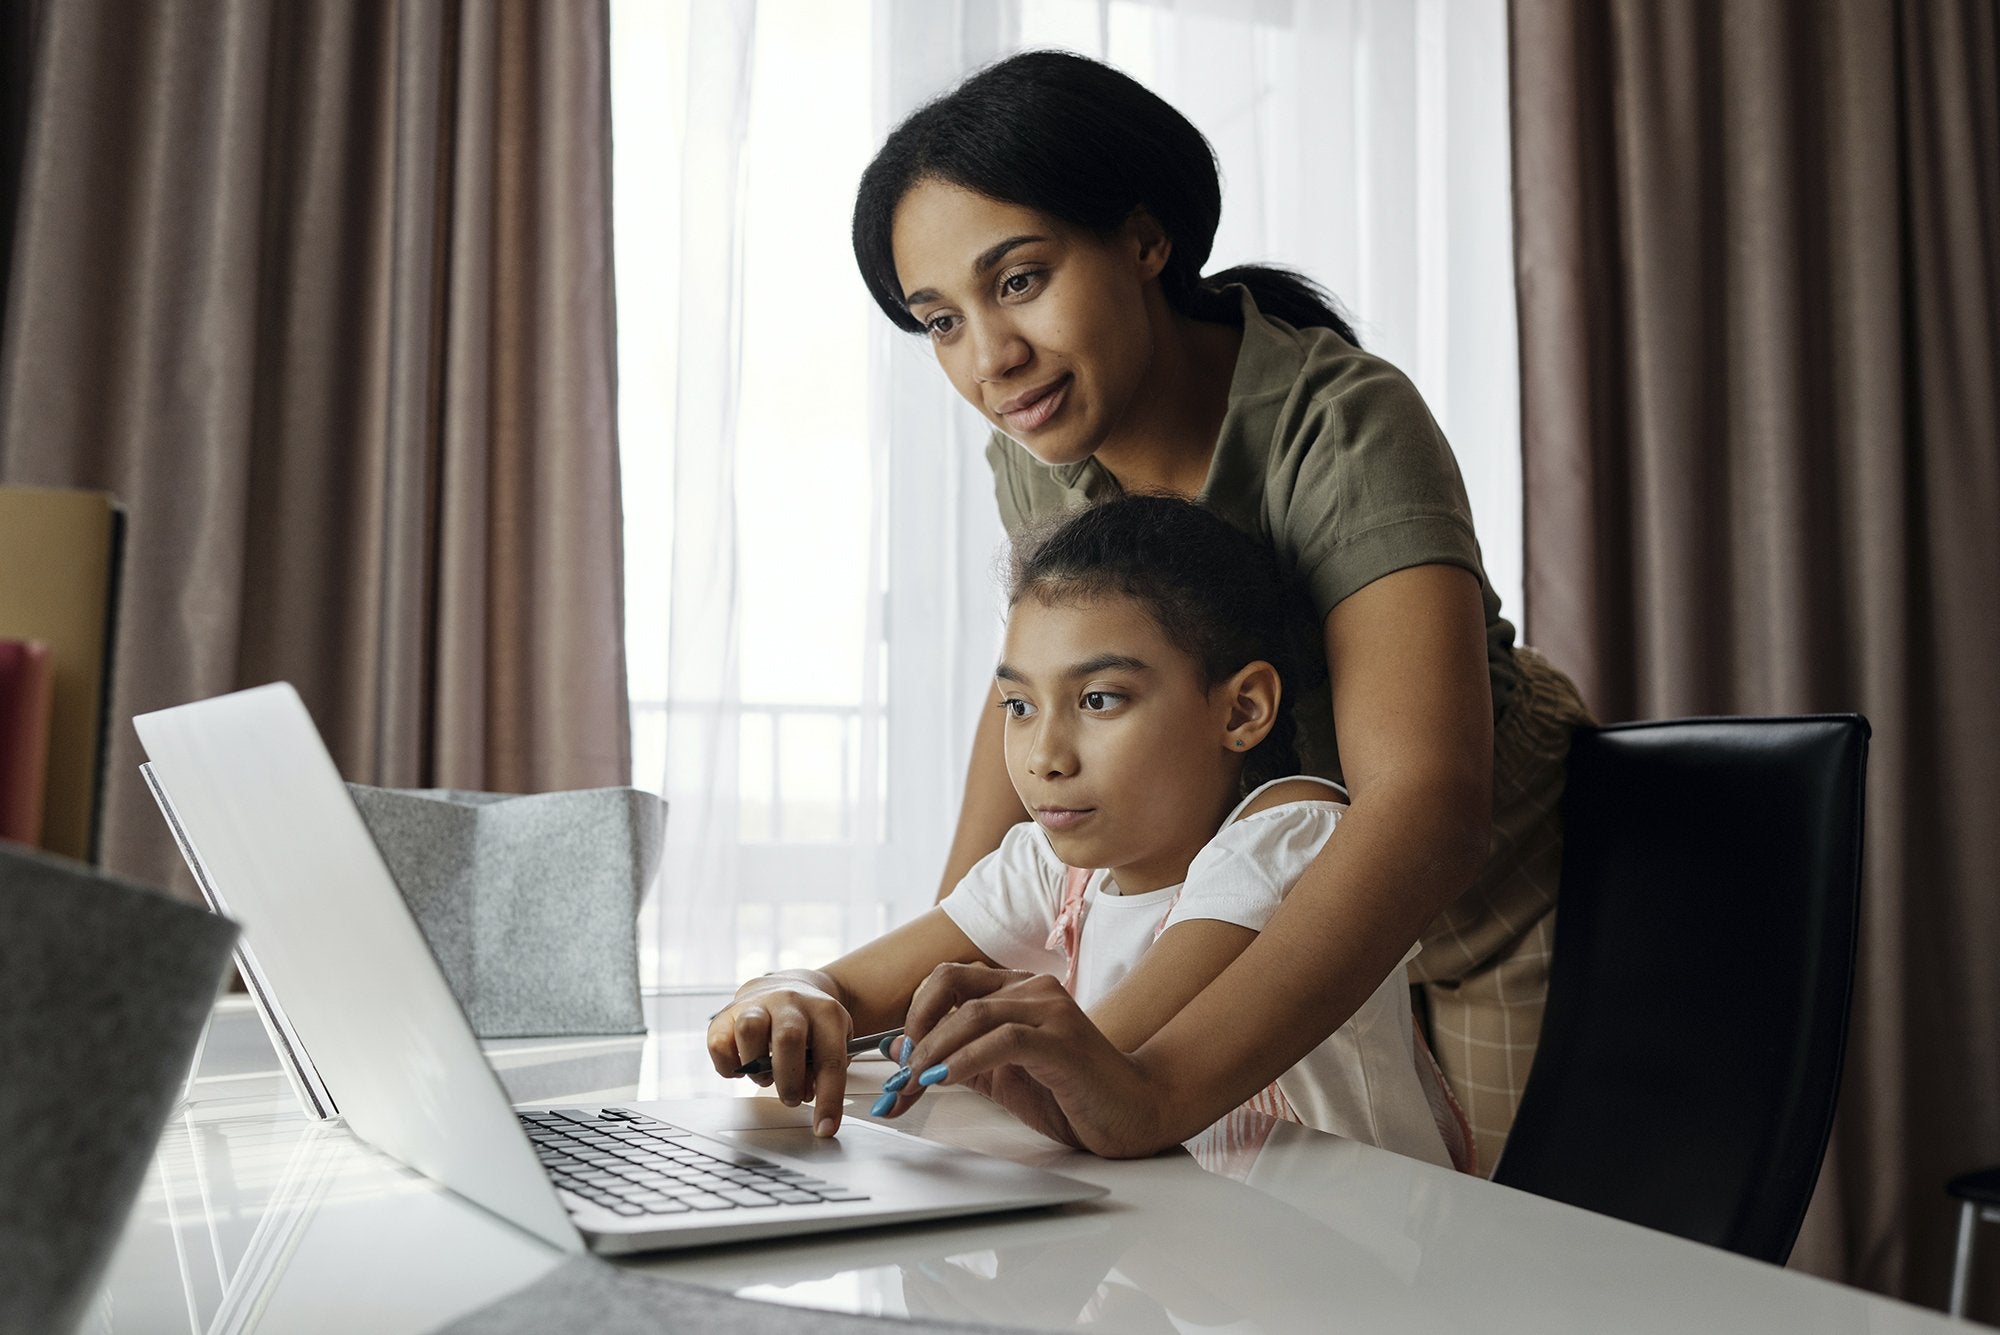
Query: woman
[(1044, 224)]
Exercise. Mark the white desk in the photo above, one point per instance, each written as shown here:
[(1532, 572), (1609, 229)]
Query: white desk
[(254, 1219)]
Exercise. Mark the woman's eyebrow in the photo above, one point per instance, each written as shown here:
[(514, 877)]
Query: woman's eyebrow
[(986, 261), (1089, 667)]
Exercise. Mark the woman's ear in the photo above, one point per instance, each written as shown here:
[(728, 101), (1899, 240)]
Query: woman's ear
[(1252, 696), (1151, 245)]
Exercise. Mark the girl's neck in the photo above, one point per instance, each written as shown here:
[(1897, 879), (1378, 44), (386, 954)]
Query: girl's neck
[(1170, 866), (1167, 438)]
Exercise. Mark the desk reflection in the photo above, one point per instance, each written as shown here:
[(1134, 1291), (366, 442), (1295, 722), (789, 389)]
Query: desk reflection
[(1166, 1251), (256, 1219)]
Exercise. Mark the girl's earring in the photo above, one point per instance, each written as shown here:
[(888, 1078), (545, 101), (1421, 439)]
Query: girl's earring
[(1239, 743)]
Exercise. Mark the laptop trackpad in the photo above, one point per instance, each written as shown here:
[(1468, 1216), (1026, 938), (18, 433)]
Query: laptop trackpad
[(731, 1114), (763, 1125)]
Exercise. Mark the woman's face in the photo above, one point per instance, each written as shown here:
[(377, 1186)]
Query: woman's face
[(1041, 326), (1111, 741)]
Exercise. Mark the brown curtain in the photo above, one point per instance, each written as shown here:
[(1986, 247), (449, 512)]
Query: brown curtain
[(322, 291), (1759, 260)]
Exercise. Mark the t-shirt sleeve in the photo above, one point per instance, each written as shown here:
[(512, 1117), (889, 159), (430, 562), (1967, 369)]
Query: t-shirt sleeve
[(1243, 873), (1009, 487), (1366, 485), (1009, 900)]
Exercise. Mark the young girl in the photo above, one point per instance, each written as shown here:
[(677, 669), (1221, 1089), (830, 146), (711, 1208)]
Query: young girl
[(1143, 667)]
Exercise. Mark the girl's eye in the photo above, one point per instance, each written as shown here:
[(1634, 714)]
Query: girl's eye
[(938, 325), (1017, 707), (1099, 701)]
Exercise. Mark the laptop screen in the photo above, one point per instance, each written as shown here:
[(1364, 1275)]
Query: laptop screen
[(264, 810)]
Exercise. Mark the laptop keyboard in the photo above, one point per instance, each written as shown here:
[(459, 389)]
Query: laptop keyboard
[(636, 1165)]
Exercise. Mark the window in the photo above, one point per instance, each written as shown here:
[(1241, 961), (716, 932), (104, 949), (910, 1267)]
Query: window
[(811, 599)]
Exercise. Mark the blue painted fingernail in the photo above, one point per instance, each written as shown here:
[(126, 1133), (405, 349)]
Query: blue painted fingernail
[(909, 1046), (896, 1081), (934, 1075), (883, 1104), (884, 1046)]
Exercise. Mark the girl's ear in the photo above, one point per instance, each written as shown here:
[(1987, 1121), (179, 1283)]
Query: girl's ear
[(1152, 244), (1253, 696)]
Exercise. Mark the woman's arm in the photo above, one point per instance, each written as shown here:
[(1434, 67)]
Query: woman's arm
[(1413, 708), (990, 807)]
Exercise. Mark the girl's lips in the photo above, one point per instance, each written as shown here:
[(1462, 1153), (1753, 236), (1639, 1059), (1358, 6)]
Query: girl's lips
[(1032, 417), (1062, 820)]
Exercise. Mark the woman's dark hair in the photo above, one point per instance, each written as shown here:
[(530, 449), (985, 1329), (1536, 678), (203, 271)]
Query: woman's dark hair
[(1216, 593), (1081, 142)]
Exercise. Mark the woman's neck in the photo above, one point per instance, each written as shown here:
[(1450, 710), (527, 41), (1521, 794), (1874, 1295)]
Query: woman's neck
[(1168, 436)]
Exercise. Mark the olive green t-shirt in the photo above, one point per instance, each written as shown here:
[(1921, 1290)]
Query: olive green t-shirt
[(1328, 454)]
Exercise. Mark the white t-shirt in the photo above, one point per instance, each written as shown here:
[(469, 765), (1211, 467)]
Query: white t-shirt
[(1361, 1082)]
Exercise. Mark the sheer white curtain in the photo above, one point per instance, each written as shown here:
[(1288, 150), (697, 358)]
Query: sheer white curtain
[(812, 544)]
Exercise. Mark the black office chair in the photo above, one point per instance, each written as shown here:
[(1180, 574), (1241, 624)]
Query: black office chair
[(1698, 997)]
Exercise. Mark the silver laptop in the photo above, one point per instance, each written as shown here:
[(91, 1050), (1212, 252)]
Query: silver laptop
[(269, 827)]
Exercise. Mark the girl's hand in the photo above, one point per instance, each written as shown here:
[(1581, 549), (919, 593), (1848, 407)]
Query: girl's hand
[(786, 1018), (1022, 1041)]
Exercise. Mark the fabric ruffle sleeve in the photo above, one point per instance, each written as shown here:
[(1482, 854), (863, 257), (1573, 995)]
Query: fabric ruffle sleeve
[(1243, 874), (1246, 871), (1009, 900)]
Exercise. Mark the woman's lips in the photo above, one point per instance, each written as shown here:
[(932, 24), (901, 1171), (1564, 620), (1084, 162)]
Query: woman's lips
[(1034, 415), (1059, 818)]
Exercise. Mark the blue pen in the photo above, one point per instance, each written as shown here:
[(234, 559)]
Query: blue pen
[(855, 1047)]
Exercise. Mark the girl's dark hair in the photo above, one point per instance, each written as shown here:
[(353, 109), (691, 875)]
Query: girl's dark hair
[(1217, 594), (1081, 142)]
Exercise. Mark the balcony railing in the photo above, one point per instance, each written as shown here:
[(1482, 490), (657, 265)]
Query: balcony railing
[(799, 767)]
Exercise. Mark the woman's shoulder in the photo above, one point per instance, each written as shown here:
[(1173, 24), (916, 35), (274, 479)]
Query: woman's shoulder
[(1354, 478), (1327, 426), (1315, 369)]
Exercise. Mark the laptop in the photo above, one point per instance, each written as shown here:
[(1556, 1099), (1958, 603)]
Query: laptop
[(270, 830)]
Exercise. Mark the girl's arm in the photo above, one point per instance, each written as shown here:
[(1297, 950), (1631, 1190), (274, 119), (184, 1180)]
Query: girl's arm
[(789, 1013), (1413, 708), (990, 807), (1187, 957)]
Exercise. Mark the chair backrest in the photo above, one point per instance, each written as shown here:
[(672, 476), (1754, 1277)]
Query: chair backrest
[(1698, 996)]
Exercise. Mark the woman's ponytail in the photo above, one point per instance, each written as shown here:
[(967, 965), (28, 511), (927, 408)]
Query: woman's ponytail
[(1280, 294)]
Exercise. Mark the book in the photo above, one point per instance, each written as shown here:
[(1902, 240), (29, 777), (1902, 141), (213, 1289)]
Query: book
[(59, 564), (27, 699)]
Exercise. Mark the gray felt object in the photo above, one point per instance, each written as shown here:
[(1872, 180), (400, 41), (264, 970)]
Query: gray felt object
[(104, 988), (529, 903), (606, 1299)]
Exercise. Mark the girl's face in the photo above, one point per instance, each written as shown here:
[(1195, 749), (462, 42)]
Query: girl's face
[(1113, 745), (1042, 327)]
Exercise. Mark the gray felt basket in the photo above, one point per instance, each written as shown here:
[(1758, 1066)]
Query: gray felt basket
[(528, 902), (104, 988)]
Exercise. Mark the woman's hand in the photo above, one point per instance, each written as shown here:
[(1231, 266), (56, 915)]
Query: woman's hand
[(1022, 1041), (787, 1017)]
